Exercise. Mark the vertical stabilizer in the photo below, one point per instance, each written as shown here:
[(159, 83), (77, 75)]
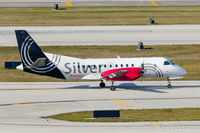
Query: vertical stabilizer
[(33, 59)]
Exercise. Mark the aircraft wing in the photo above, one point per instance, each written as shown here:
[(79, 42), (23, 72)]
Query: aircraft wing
[(93, 76), (175, 77), (122, 74)]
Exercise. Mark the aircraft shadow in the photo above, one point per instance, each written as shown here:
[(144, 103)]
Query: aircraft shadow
[(132, 86), (83, 87), (153, 88), (127, 86)]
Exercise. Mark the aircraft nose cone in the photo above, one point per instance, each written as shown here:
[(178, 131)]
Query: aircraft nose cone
[(182, 71)]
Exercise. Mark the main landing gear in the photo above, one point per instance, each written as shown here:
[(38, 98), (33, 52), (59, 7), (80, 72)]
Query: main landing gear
[(169, 83), (102, 84), (113, 88)]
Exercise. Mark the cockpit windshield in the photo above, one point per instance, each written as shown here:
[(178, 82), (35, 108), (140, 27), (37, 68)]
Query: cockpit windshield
[(169, 63)]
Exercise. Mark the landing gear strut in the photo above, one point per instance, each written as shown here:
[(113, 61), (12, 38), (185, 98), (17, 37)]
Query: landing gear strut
[(112, 88), (169, 83), (102, 84)]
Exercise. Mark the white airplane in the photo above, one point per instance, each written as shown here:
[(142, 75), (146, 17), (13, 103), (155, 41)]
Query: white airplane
[(113, 69)]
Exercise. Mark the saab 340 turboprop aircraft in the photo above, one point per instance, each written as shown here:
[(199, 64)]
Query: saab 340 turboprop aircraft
[(113, 69)]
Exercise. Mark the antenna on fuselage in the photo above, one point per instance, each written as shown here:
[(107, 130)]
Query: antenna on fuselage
[(118, 56)]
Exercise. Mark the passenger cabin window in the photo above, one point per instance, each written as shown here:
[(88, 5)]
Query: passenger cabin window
[(121, 65), (132, 65), (126, 65), (116, 65), (93, 66), (169, 63), (110, 65), (104, 66)]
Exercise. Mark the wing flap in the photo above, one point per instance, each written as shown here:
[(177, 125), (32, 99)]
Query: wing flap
[(175, 77), (93, 76)]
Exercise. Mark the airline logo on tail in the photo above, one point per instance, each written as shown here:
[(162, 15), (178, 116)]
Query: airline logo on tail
[(33, 59), (28, 62)]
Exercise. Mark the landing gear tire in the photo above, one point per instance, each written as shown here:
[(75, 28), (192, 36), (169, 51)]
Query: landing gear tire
[(169, 86), (169, 83), (102, 84), (112, 88)]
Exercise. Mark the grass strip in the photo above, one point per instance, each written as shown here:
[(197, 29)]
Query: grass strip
[(77, 16), (136, 115)]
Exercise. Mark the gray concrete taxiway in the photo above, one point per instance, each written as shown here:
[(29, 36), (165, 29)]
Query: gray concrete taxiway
[(105, 35), (50, 3), (22, 104)]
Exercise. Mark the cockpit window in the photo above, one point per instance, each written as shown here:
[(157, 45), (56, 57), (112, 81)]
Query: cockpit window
[(169, 63)]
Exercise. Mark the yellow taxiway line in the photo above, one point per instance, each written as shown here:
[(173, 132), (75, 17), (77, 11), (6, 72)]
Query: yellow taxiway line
[(69, 4), (117, 101), (4, 114), (23, 83), (7, 114), (156, 124), (39, 107), (155, 3), (25, 123)]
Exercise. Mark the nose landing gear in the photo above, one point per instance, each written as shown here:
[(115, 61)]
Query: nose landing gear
[(169, 83)]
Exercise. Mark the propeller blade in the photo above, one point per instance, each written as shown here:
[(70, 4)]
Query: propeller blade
[(142, 66)]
